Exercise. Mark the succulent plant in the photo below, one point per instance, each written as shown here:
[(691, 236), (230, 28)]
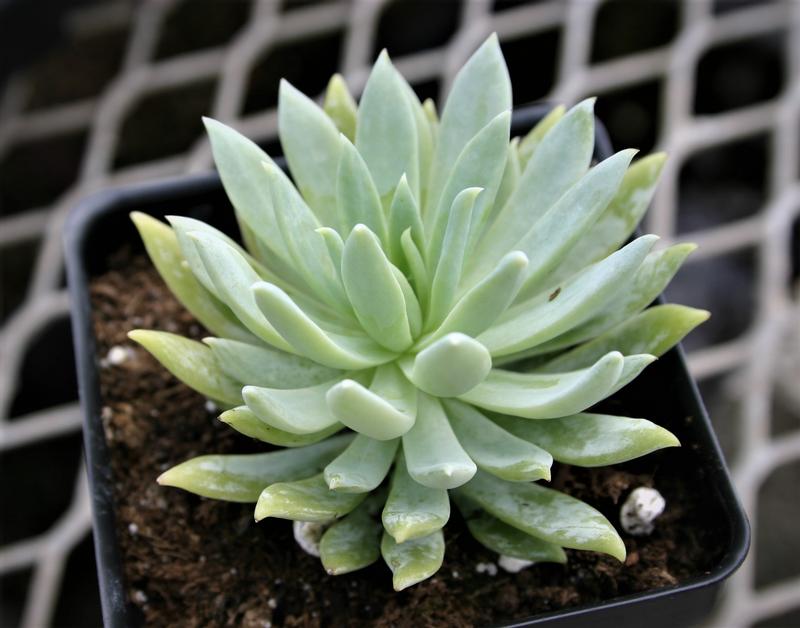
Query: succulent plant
[(428, 314)]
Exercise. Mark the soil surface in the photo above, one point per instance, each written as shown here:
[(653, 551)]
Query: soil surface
[(190, 561)]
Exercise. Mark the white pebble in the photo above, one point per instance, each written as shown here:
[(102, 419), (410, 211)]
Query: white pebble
[(487, 568), (308, 534), (272, 603), (640, 510), (139, 597), (513, 565), (133, 529), (116, 355), (211, 407)]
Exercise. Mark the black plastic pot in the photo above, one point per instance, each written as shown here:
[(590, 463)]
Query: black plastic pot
[(665, 392)]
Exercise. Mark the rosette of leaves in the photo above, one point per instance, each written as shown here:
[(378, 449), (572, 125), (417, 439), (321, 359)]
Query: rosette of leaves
[(370, 325)]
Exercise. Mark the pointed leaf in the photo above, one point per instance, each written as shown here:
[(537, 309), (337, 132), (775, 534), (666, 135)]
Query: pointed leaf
[(416, 264), (592, 440), (533, 322), (260, 365), (544, 396), (446, 465), (385, 412), (232, 277), (312, 148), (241, 478), (546, 514), (649, 280), (299, 411), (449, 367), (480, 164), (309, 339), (413, 308), (413, 561), (485, 301), (505, 539), (451, 257), (493, 449), (480, 91), (340, 106), (653, 331), (403, 214), (362, 466), (334, 244), (560, 161), (357, 197), (164, 250), (412, 510), (531, 141), (510, 179), (351, 543), (191, 362), (245, 421), (376, 296), (386, 132), (619, 219), (305, 500)]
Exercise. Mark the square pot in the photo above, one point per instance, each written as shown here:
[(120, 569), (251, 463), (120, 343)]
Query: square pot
[(665, 393)]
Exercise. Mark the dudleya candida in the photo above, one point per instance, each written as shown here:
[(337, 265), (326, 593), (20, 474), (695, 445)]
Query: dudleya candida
[(370, 325)]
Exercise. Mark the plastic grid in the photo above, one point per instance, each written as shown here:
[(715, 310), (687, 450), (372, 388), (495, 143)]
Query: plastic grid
[(765, 358)]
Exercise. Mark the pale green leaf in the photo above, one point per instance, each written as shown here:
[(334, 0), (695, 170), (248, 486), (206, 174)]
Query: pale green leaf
[(552, 236), (493, 449), (245, 421), (386, 131), (413, 308), (309, 339), (413, 510), (480, 92), (416, 264), (446, 465), (299, 410), (340, 106), (384, 412), (334, 244), (619, 219), (547, 395), (191, 362), (449, 367), (413, 561), (480, 164), (403, 214), (164, 250), (509, 182), (232, 277), (529, 143), (351, 543), (241, 478), (305, 500), (373, 290), (357, 198), (531, 323), (592, 440), (546, 514), (561, 160), (312, 148), (260, 365), (362, 466), (449, 263), (653, 331), (485, 301)]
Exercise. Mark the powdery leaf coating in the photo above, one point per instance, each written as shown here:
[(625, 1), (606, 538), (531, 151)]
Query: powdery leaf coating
[(415, 257)]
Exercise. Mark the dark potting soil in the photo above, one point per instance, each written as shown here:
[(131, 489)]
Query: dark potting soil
[(190, 561)]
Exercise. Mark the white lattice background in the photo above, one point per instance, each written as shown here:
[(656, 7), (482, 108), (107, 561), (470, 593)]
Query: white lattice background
[(755, 367)]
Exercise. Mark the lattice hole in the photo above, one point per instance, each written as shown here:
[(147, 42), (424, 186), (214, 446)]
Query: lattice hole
[(722, 184), (196, 24), (778, 535), (16, 266), (307, 65), (79, 585), (164, 124), (632, 115), (740, 74), (532, 64), (623, 27), (35, 173), (401, 31)]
